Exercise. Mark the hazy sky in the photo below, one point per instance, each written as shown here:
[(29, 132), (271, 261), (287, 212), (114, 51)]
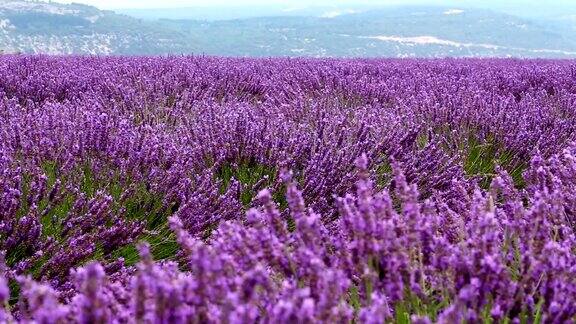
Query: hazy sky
[(115, 4), (118, 4)]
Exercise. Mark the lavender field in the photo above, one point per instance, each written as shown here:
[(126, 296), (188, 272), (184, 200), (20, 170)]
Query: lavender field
[(221, 190)]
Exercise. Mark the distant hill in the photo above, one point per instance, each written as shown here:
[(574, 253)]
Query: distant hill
[(39, 27), (414, 31)]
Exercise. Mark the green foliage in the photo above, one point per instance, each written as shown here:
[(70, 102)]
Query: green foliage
[(383, 172), (422, 140), (143, 205), (401, 313), (511, 246), (354, 298), (25, 193), (538, 314), (14, 287), (430, 305), (482, 156), (485, 314), (51, 171), (249, 173)]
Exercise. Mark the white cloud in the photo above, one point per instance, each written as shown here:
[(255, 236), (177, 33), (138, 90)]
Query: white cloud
[(453, 11), (336, 13)]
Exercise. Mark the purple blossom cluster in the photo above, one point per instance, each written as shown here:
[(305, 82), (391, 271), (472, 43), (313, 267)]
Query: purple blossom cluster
[(209, 190)]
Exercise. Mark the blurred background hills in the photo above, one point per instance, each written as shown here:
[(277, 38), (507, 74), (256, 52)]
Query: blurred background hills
[(457, 28)]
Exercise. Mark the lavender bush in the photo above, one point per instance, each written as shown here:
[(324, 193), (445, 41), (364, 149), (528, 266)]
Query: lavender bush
[(209, 190)]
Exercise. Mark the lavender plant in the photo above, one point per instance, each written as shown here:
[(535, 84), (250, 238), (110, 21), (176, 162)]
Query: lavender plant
[(201, 189)]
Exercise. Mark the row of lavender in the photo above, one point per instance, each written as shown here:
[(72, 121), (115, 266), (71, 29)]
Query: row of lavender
[(287, 190)]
